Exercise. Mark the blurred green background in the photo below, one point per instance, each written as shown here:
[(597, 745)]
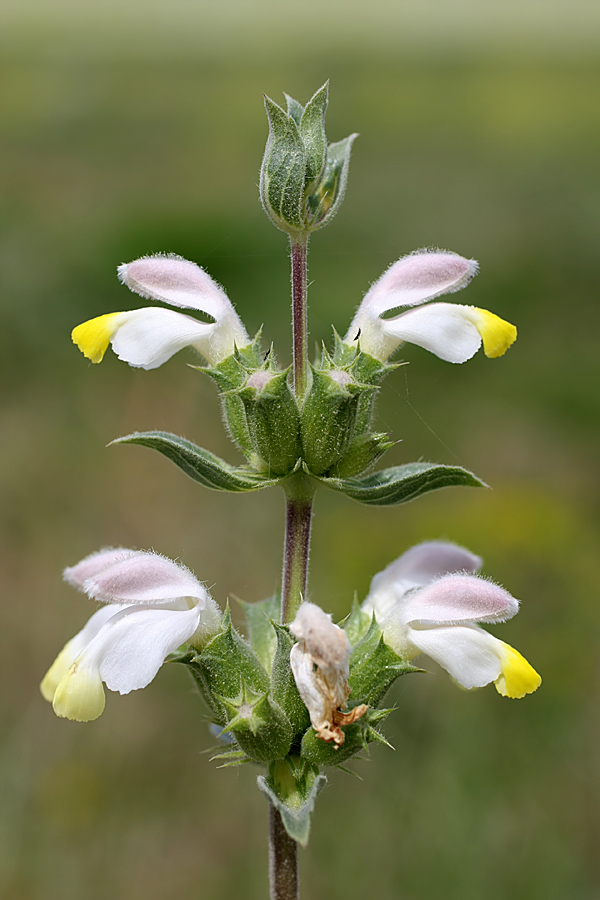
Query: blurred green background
[(137, 127)]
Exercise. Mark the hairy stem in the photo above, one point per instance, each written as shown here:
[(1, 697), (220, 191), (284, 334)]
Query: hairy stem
[(283, 860), (299, 247), (298, 518)]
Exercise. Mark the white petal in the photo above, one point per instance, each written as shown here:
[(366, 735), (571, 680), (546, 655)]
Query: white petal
[(145, 578), (468, 653), (176, 281), (147, 338), (313, 696), (445, 329), (410, 281), (133, 644), (182, 283), (457, 599), (73, 648), (90, 565), (92, 627), (126, 654), (416, 568)]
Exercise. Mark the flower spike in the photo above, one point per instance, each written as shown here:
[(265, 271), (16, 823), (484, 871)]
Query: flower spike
[(451, 331), (148, 337), (153, 606), (425, 605)]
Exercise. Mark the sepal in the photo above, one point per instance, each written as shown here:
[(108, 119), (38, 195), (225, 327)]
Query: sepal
[(225, 664), (259, 620), (273, 420), (328, 417), (259, 725), (292, 787), (362, 454), (374, 666), (356, 624), (358, 736), (283, 685), (337, 412), (229, 759), (201, 465), (233, 371), (229, 375), (364, 369), (399, 484)]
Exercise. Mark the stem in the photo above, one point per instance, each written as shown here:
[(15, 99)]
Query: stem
[(283, 860), (299, 492), (298, 517), (299, 247)]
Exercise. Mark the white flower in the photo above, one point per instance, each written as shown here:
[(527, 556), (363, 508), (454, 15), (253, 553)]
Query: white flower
[(153, 606), (452, 332), (148, 337), (423, 607), (319, 662)]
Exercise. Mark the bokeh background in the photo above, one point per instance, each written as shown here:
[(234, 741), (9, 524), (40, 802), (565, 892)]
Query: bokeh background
[(136, 127)]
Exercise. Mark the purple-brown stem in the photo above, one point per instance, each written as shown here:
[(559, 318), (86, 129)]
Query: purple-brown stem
[(283, 860), (299, 247), (298, 517)]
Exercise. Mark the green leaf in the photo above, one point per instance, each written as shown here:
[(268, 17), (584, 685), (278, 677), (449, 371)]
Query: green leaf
[(263, 639), (399, 484), (292, 788), (312, 132), (283, 170), (201, 465)]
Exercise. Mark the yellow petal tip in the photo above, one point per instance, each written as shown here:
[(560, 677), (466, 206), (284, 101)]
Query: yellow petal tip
[(93, 337), (518, 677), (497, 334), (56, 671), (79, 695)]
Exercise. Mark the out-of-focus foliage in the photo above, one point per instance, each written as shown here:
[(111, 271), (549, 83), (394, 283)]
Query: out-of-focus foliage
[(111, 155)]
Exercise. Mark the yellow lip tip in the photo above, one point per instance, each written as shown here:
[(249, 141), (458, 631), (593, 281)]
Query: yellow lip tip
[(518, 677), (93, 337), (497, 334), (56, 671), (79, 695)]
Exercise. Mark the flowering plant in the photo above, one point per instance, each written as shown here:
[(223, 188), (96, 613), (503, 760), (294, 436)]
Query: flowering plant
[(298, 693)]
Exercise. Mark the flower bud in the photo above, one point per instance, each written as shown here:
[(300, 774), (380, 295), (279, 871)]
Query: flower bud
[(302, 179)]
